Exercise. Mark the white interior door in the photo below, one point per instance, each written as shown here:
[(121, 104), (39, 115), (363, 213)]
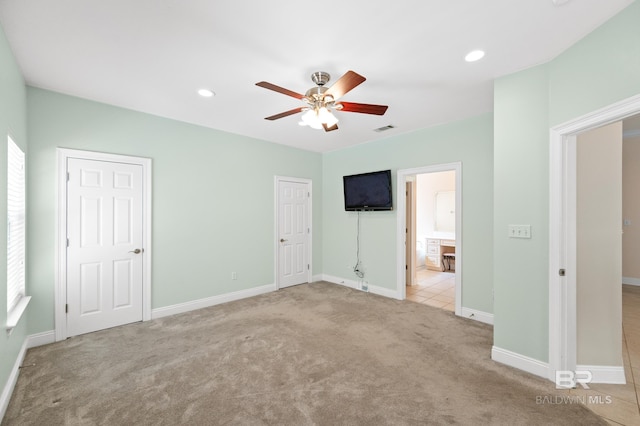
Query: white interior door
[(294, 231), (104, 253)]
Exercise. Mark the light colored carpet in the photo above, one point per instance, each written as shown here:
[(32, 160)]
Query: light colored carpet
[(317, 354)]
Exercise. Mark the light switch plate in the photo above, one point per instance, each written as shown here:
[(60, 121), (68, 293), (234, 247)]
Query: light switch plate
[(519, 231)]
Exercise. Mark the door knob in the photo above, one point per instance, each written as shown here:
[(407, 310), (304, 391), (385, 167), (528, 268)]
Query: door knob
[(136, 251), (282, 240)]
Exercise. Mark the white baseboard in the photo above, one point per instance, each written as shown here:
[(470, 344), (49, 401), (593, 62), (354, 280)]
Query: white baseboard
[(604, 374), (5, 397), (41, 339), (381, 291), (31, 341), (521, 362), (631, 281), (484, 317), (210, 301), (341, 281), (473, 314)]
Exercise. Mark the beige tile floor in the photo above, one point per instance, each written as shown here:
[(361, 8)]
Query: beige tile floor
[(434, 288), (624, 406)]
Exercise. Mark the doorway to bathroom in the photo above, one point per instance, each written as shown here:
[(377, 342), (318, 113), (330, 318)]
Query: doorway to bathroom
[(431, 213)]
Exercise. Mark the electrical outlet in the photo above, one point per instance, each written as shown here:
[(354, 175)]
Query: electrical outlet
[(365, 286), (234, 276), (519, 231)]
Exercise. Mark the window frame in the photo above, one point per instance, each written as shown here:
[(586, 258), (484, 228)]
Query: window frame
[(17, 299)]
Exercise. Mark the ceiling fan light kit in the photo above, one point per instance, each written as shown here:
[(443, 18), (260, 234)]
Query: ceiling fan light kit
[(321, 101)]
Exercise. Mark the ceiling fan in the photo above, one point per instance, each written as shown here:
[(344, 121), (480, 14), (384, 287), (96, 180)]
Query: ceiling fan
[(320, 100)]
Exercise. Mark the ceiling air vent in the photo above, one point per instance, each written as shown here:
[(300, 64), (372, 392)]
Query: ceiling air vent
[(383, 128)]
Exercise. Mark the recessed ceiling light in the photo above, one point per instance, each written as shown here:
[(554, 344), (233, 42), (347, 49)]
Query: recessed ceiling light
[(476, 55), (206, 93)]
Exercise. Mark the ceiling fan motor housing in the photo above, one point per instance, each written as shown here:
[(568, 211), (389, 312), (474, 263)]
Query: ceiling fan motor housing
[(320, 78), (315, 93)]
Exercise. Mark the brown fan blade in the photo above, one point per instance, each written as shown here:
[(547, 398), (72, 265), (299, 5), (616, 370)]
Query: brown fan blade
[(364, 108), (329, 129), (284, 114), (279, 89), (344, 84)]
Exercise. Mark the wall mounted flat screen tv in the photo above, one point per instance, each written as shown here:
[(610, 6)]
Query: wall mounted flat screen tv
[(368, 191)]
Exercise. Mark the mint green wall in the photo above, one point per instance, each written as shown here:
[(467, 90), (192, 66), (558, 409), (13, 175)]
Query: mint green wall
[(213, 197), (469, 141), (13, 121), (599, 70), (521, 182)]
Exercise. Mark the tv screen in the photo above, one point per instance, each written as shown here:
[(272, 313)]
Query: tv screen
[(368, 191)]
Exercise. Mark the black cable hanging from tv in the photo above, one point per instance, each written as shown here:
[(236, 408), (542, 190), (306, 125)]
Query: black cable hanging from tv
[(356, 268)]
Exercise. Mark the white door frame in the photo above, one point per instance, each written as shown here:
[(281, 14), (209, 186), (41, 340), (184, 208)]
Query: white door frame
[(562, 229), (401, 289), (60, 293), (309, 183), (410, 248)]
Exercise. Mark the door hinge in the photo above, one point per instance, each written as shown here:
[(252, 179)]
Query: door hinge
[(67, 241), (66, 308), (406, 267), (562, 272), (308, 267), (67, 176), (308, 195)]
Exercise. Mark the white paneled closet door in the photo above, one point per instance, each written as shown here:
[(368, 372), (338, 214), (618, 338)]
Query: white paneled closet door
[(293, 232), (105, 252)]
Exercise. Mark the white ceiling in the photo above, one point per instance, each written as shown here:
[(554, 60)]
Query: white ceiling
[(153, 55)]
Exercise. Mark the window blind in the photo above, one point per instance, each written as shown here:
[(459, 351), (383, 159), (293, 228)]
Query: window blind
[(15, 224)]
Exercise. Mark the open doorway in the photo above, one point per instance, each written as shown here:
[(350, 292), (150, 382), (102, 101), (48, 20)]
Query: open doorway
[(433, 235), (429, 235), (566, 341)]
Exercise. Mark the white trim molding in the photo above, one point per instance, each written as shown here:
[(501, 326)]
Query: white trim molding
[(41, 339), (562, 238), (31, 341), (206, 302), (521, 362), (357, 285), (5, 397), (16, 313), (401, 218), (60, 292), (468, 313), (473, 314), (613, 375), (276, 211), (354, 284)]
